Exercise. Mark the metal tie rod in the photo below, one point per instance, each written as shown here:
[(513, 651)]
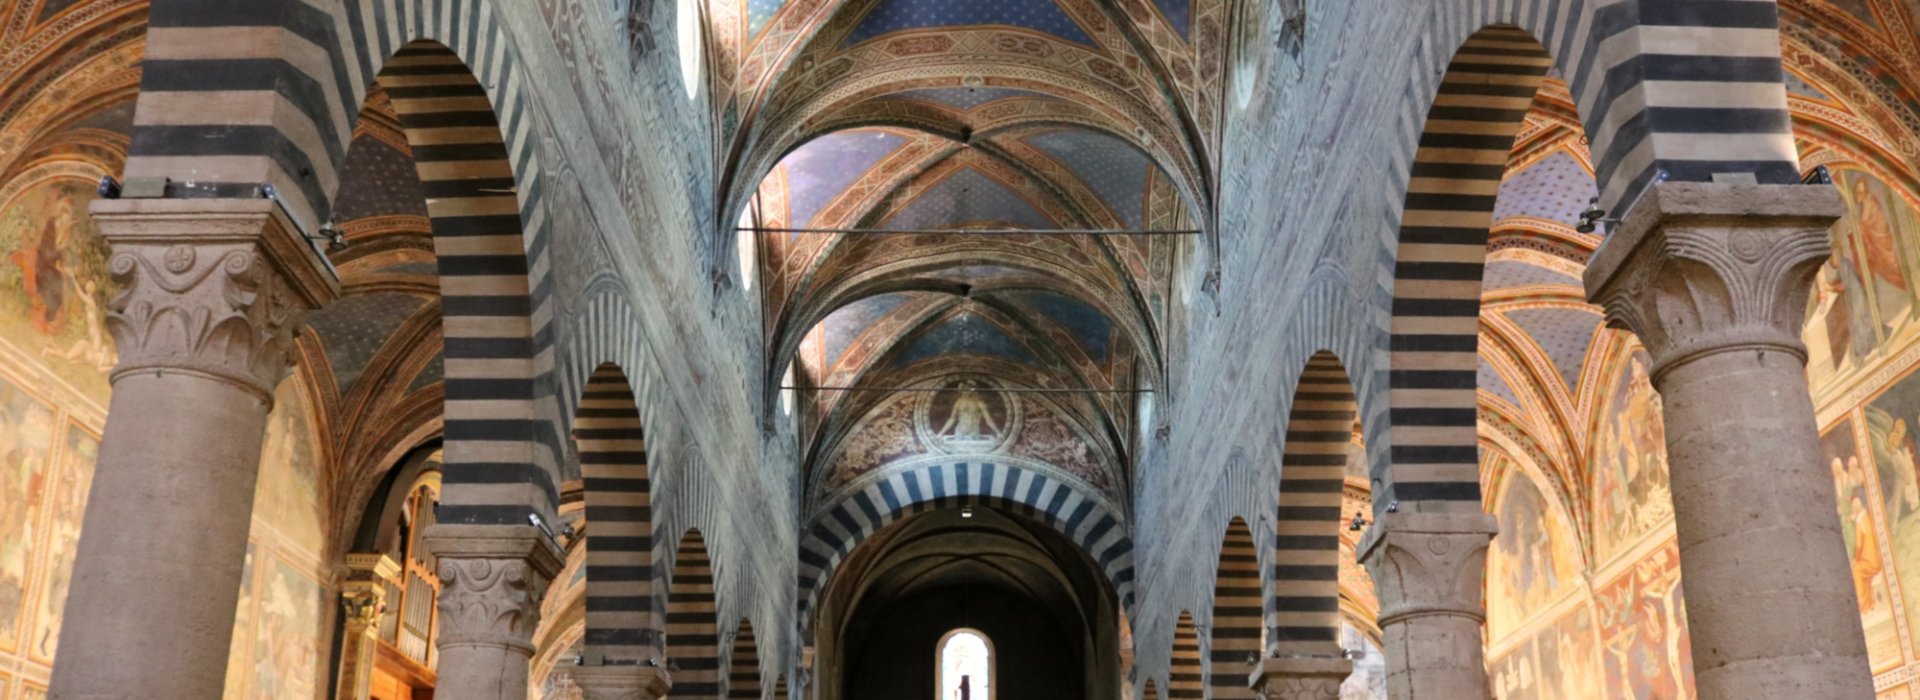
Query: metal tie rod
[(986, 390), (965, 232)]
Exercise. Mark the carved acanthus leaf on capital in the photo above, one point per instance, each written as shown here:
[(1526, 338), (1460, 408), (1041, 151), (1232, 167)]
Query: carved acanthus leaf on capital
[(490, 602), (1429, 564), (1701, 268)]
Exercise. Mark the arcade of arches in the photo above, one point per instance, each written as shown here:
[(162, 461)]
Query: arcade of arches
[(959, 349)]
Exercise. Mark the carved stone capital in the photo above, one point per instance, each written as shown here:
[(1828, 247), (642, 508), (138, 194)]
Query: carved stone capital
[(1702, 268), (215, 287), (1428, 564), (1301, 678), (622, 682), (492, 579), (363, 591)]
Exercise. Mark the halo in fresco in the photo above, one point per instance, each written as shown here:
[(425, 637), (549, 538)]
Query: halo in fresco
[(967, 416), (54, 284)]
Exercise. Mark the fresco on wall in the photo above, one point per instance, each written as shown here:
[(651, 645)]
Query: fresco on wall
[(1863, 297), (1561, 662), (54, 283), (966, 416), (288, 641), (1644, 646), (27, 432), (1865, 552), (1532, 562), (288, 492), (1631, 494), (1891, 419), (67, 503)]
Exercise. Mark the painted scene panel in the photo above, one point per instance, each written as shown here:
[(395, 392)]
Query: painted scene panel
[(290, 635), (1631, 493), (1561, 662), (1863, 297), (1891, 419), (54, 284), (80, 450), (27, 433), (1853, 495), (1644, 647), (1533, 562)]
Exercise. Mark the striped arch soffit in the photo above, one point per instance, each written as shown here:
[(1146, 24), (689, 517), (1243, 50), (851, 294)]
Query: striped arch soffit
[(1305, 615), (780, 687), (292, 78), (1186, 680), (1151, 692), (619, 510), (693, 628), (870, 505), (1236, 615), (1481, 105), (501, 452), (743, 666)]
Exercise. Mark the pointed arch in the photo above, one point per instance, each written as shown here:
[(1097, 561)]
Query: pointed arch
[(1186, 679), (1235, 634), (743, 667), (1482, 103), (1151, 692), (1305, 610), (619, 534), (693, 634)]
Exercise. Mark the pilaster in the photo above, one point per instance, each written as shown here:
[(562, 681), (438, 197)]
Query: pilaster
[(622, 682)]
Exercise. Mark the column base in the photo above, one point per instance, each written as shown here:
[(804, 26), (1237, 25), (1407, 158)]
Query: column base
[(1301, 678), (622, 682)]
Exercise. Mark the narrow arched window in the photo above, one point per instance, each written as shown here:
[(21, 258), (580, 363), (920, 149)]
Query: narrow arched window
[(965, 661)]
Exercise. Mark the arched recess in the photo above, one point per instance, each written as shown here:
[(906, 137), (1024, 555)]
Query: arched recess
[(780, 687), (1151, 692), (1186, 680), (693, 628), (500, 450), (1235, 634), (1482, 103), (1305, 614), (743, 667), (619, 520), (865, 509)]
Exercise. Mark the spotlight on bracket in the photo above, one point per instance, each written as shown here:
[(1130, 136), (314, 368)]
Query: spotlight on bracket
[(1359, 523), (336, 239), (1591, 219), (966, 512), (109, 187)]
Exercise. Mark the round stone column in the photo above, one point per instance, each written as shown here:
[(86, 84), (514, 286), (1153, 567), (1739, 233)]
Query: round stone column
[(213, 293), (1427, 570), (1714, 279), (492, 579)]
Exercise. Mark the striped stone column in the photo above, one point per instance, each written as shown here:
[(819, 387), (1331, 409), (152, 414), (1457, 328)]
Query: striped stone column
[(212, 293), (1714, 279), (1428, 570), (492, 579)]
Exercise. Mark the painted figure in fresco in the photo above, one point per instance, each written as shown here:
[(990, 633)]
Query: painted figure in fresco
[(43, 273), (25, 430), (1882, 250), (970, 414), (1635, 493), (69, 505), (1905, 496), (93, 350), (1828, 306), (1646, 646), (1863, 541)]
